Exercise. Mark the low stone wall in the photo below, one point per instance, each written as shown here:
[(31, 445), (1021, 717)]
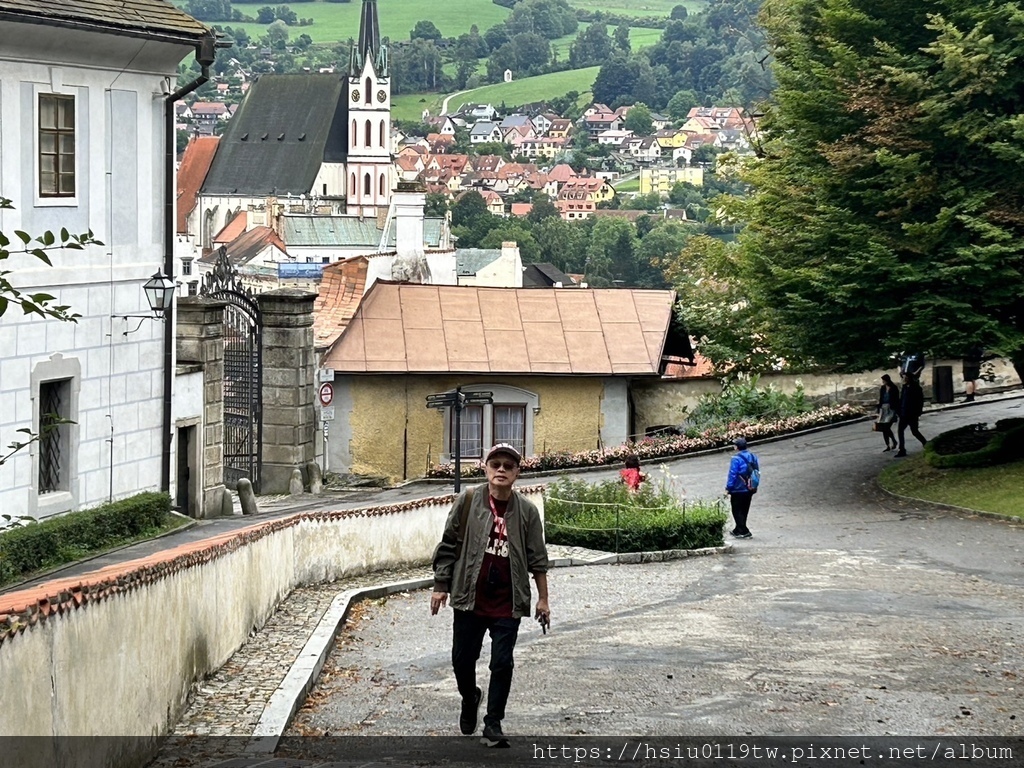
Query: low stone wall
[(115, 652), (666, 401)]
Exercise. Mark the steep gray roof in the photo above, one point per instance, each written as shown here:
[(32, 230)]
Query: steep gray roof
[(136, 18), (469, 261), (327, 231), (544, 275), (287, 126)]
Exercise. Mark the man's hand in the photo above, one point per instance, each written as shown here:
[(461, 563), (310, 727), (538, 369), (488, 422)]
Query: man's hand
[(543, 613), (438, 600)]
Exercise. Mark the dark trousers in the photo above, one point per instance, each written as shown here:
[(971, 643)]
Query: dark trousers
[(467, 639), (740, 508), (887, 435), (910, 423)]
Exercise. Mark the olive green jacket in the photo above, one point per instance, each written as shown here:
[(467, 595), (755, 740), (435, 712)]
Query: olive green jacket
[(527, 552)]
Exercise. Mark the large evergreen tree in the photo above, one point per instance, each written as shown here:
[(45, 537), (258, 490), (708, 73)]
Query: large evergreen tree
[(888, 211)]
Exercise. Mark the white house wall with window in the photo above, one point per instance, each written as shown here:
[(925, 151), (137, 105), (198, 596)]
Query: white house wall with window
[(82, 100)]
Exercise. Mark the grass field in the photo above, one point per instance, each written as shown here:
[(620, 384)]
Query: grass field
[(639, 37), (987, 489), (530, 89), (333, 22), (639, 7), (410, 106)]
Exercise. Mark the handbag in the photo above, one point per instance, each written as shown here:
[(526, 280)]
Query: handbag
[(886, 415)]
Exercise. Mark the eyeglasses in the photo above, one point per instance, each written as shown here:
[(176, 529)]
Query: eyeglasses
[(508, 466)]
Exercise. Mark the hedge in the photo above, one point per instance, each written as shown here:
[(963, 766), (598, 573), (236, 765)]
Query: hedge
[(1005, 444), (27, 549), (608, 518)]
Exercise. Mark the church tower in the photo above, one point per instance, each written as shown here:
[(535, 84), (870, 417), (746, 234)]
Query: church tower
[(370, 169)]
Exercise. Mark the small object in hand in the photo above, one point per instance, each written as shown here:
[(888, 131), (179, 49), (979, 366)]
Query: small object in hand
[(544, 621)]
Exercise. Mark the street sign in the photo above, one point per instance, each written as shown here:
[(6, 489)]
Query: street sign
[(327, 413), (479, 398), (325, 374), (326, 393)]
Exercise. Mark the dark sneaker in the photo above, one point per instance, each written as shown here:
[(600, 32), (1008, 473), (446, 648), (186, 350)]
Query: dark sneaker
[(899, 454), (493, 737), (470, 714), (746, 535)]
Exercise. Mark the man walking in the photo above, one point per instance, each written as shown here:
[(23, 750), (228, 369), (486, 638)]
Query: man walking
[(911, 408), (741, 485), (493, 541)]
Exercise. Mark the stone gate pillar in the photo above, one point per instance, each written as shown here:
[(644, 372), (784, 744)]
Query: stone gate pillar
[(200, 341), (289, 368)]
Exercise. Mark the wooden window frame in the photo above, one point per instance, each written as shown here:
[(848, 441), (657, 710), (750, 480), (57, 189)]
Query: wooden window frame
[(61, 159)]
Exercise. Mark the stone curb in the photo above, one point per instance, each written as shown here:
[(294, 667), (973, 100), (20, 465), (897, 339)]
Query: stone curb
[(950, 507), (304, 672)]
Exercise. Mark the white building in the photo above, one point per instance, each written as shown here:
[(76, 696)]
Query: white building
[(84, 109)]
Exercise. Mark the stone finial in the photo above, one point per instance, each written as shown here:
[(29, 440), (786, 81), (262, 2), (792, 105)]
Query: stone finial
[(316, 480), (247, 496), (295, 487)]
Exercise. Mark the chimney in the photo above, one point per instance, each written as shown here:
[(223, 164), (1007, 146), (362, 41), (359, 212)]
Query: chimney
[(409, 201), (510, 254)]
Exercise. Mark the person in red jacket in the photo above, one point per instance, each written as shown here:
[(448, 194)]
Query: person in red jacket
[(631, 475)]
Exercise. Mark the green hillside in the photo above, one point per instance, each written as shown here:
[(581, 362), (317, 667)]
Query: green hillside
[(526, 91), (531, 89), (334, 22)]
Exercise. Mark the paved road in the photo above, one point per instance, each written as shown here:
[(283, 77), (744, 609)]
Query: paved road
[(848, 613)]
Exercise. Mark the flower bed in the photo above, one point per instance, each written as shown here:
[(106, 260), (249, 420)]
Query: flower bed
[(668, 446)]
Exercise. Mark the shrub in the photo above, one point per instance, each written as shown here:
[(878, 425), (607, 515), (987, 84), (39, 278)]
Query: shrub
[(27, 549), (974, 445), (608, 518), (742, 400)]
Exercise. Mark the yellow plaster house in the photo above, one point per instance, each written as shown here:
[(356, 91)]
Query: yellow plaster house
[(559, 364), (661, 180)]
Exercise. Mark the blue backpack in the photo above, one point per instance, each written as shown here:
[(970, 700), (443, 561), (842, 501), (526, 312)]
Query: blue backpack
[(752, 478)]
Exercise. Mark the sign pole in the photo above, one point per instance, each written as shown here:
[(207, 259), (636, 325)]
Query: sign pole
[(458, 438)]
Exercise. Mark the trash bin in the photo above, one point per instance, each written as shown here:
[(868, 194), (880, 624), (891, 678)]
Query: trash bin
[(942, 384)]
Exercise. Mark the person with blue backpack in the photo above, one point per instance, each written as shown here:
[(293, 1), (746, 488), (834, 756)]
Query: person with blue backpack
[(741, 485)]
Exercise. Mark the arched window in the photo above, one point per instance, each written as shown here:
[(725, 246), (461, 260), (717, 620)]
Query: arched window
[(367, 186), (382, 185), (352, 188), (368, 131), (382, 144), (369, 93), (355, 133)]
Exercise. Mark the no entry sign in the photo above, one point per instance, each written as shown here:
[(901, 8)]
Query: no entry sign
[(326, 394)]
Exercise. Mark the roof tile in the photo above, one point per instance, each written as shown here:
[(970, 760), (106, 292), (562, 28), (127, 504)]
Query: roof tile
[(504, 330)]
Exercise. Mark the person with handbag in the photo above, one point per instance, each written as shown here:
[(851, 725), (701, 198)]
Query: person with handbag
[(493, 542), (887, 408)]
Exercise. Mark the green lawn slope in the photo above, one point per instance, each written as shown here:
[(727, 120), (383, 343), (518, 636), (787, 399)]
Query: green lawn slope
[(337, 22), (526, 91)]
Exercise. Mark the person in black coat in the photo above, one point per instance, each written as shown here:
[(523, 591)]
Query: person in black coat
[(972, 371), (911, 407)]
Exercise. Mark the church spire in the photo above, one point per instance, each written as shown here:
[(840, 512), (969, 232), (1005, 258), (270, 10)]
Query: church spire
[(369, 31)]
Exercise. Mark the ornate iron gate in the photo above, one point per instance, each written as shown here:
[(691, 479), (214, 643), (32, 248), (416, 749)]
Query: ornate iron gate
[(243, 379)]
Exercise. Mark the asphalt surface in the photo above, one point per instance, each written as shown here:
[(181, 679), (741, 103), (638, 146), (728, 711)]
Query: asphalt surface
[(848, 613)]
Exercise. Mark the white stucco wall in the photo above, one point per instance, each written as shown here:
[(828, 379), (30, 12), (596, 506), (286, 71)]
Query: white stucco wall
[(118, 379)]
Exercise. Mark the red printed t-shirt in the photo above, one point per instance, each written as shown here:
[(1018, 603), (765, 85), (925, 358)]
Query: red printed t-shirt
[(494, 584)]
